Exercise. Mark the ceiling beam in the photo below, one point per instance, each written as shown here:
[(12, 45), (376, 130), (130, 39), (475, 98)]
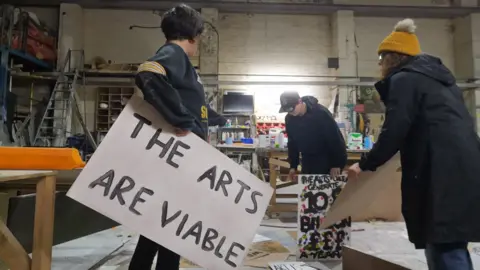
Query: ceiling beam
[(280, 7)]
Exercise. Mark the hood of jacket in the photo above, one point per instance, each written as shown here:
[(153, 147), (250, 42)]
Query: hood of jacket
[(432, 67), (310, 101), (425, 64)]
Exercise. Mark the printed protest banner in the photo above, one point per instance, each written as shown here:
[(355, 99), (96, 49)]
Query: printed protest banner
[(178, 191), (317, 194)]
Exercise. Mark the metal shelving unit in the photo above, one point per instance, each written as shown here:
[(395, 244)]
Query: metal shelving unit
[(110, 103), (13, 40)]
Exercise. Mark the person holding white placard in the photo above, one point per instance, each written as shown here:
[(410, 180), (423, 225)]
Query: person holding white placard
[(427, 121), (169, 82), (313, 132)]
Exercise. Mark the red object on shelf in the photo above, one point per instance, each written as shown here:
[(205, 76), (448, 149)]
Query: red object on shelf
[(36, 49), (38, 44), (264, 127)]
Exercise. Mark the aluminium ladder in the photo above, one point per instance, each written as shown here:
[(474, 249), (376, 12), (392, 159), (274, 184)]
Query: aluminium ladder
[(55, 125)]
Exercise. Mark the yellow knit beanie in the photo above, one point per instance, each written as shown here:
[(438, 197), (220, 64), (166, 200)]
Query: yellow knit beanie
[(402, 39)]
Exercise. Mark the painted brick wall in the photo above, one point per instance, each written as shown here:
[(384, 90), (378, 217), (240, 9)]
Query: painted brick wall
[(107, 34), (260, 44), (435, 37)]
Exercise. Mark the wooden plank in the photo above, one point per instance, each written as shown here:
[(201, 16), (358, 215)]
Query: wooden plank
[(283, 207), (273, 182), (5, 202), (65, 178), (14, 175), (288, 196), (278, 162), (286, 184), (44, 220), (354, 259), (11, 252)]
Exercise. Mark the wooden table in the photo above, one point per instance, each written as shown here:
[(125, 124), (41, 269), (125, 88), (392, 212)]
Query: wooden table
[(276, 159), (11, 252)]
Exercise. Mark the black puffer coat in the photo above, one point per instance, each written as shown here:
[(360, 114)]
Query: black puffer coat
[(426, 120)]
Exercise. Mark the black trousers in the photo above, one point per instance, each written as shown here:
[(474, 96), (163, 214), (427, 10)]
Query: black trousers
[(145, 252)]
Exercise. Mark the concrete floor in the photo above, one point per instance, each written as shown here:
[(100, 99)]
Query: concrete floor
[(112, 249)]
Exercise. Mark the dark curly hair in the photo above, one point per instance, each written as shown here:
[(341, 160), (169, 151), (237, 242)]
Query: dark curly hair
[(182, 23), (391, 61)]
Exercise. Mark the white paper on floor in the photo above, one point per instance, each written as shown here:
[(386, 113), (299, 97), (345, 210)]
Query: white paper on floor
[(290, 266), (260, 238)]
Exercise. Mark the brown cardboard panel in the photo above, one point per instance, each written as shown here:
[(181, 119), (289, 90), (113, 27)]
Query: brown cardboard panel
[(387, 205), (358, 195), (184, 263), (270, 247), (262, 262), (354, 259)]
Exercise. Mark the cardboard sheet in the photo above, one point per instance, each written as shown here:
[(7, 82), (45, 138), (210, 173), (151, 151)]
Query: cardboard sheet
[(358, 195)]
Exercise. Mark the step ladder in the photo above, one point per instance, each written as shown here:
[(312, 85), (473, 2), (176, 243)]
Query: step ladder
[(55, 126)]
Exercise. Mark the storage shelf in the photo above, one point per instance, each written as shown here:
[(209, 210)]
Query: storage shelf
[(110, 103), (26, 58)]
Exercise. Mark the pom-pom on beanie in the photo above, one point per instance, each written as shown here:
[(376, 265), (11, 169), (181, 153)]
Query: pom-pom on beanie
[(402, 39)]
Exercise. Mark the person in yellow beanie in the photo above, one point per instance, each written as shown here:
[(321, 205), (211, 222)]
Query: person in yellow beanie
[(427, 121)]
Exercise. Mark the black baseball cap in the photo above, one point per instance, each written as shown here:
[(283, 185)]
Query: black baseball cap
[(288, 101)]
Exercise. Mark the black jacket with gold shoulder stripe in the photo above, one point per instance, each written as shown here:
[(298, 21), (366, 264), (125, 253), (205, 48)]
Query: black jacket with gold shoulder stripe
[(172, 86)]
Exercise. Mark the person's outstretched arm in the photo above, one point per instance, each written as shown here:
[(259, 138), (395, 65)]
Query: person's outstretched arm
[(401, 108), (215, 119)]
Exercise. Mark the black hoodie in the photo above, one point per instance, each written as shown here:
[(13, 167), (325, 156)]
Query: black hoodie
[(317, 136)]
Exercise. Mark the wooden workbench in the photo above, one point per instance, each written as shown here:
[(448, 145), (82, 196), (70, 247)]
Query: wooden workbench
[(277, 158), (11, 251)]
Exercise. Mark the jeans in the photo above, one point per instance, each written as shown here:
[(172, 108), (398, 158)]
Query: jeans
[(451, 256), (145, 252)]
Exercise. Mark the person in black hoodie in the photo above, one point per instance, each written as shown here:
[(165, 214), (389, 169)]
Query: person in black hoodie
[(313, 132), (169, 82), (428, 122)]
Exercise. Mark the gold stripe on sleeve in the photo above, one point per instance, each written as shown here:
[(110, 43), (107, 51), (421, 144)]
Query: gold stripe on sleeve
[(153, 67)]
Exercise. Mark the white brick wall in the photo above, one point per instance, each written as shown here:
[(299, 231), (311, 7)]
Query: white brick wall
[(435, 37), (261, 44), (274, 44)]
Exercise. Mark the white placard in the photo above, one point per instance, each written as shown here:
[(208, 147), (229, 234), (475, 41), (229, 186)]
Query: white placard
[(317, 194), (180, 192)]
